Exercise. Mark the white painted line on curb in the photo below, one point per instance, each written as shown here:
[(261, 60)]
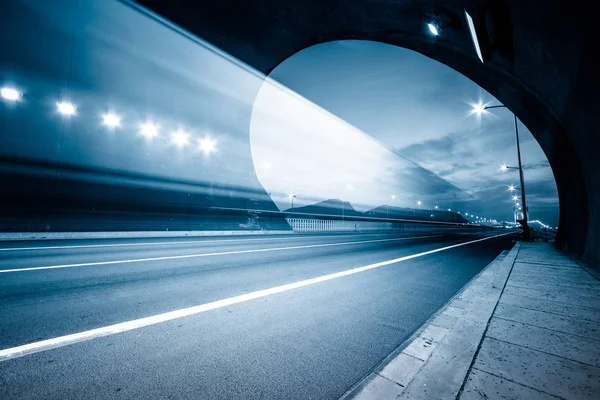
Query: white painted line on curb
[(222, 253), (60, 341), (83, 246)]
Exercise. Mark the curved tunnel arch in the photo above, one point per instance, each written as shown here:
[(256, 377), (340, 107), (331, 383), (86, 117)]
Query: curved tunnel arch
[(545, 75), (519, 99)]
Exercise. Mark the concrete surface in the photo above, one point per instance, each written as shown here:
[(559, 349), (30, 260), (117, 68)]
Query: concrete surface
[(528, 327), (6, 236)]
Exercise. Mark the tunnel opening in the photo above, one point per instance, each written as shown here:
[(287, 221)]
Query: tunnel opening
[(393, 128)]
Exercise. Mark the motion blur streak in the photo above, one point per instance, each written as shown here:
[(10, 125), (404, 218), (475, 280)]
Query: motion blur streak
[(65, 170), (206, 254)]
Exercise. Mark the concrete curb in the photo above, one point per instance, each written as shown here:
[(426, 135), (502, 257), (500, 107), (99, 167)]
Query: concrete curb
[(435, 361), (13, 236)]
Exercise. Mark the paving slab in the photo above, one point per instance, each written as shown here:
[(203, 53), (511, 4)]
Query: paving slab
[(379, 388), (454, 312), (402, 369), (444, 320), (542, 319), (547, 268), (580, 289), (568, 346), (434, 333), (481, 385), (567, 298), (560, 308), (420, 348), (547, 373), (538, 277), (443, 374)]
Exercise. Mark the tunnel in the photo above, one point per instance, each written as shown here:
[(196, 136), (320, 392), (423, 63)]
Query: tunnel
[(537, 65), (199, 199)]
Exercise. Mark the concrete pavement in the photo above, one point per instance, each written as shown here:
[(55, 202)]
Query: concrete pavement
[(314, 341), (528, 327)]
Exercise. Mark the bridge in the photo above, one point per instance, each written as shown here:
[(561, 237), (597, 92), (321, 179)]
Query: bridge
[(162, 237)]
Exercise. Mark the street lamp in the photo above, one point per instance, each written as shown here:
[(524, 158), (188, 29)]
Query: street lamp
[(149, 130), (419, 202), (387, 207), (66, 108), (10, 94), (292, 196), (482, 108), (180, 138), (207, 145), (111, 120)]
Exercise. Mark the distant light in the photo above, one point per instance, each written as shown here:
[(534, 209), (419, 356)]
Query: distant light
[(459, 212), (479, 109), (474, 35), (207, 145), (511, 188), (419, 203), (66, 108), (180, 138), (503, 167), (291, 196), (436, 207), (393, 197), (149, 130), (10, 94), (433, 29), (449, 209), (515, 198), (111, 120)]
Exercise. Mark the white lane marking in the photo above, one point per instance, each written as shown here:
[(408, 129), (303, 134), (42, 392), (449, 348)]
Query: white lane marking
[(60, 341), (83, 246), (222, 253)]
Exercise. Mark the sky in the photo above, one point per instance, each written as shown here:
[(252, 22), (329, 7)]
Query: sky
[(420, 108)]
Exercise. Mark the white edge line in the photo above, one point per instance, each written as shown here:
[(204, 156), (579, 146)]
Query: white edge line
[(82, 246), (222, 253), (60, 341)]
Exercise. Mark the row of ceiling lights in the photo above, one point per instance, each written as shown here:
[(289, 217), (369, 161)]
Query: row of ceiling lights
[(111, 120)]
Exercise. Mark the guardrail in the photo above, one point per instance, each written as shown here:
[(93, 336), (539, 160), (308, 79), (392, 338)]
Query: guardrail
[(315, 225), (330, 225)]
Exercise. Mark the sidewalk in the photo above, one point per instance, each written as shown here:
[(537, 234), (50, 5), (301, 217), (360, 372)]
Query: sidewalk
[(528, 327)]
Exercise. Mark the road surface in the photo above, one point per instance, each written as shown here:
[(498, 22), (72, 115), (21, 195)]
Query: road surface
[(281, 317)]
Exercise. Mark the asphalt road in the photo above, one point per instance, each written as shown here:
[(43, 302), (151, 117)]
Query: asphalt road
[(309, 341)]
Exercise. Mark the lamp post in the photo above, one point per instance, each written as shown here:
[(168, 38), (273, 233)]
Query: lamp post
[(292, 196), (480, 109), (387, 209)]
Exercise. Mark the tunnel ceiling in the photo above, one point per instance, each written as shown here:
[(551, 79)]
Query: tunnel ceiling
[(542, 65)]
